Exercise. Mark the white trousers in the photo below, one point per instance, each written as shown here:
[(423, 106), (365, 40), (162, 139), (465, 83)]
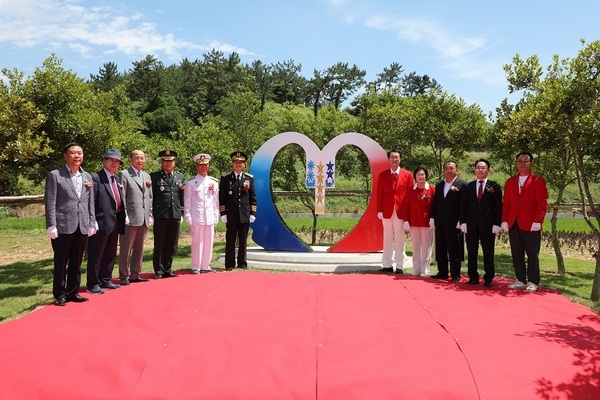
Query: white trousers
[(202, 245), (421, 239), (393, 233)]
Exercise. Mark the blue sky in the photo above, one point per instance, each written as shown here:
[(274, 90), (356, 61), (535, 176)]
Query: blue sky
[(461, 44)]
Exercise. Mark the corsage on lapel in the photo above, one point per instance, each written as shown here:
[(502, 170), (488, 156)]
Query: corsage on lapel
[(454, 189), (88, 184)]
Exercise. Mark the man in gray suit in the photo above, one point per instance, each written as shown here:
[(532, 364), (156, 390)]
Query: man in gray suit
[(70, 219), (137, 189)]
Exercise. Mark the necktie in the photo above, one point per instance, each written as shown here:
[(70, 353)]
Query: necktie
[(116, 193), (480, 190), (394, 180)]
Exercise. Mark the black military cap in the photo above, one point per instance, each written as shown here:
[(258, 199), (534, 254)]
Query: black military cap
[(238, 156), (168, 155)]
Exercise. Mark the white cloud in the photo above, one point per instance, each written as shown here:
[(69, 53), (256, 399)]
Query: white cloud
[(59, 24)]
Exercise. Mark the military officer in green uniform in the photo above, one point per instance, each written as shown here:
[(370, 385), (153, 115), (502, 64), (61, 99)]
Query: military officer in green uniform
[(237, 206), (167, 208)]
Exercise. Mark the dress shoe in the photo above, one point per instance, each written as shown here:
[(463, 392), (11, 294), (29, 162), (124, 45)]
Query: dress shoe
[(124, 281), (195, 271), (206, 271), (61, 301), (139, 279), (169, 274), (387, 269), (109, 285), (399, 271), (472, 282), (76, 298), (228, 268), (455, 280), (487, 284), (438, 276), (158, 276), (95, 290), (243, 267)]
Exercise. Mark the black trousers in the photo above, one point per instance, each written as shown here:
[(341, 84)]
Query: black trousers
[(522, 243), (448, 244), (102, 254), (166, 235), (68, 253), (235, 231), (474, 236)]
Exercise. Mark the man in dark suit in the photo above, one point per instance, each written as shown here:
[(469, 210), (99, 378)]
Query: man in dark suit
[(110, 220), (70, 219), (445, 217), (137, 191), (480, 218), (167, 209), (237, 206), (523, 211)]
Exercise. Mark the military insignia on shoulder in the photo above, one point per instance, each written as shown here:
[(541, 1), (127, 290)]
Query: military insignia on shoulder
[(248, 175), (226, 174)]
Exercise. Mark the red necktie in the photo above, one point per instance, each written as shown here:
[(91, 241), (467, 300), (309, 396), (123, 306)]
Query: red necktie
[(116, 192), (480, 190), (394, 180)]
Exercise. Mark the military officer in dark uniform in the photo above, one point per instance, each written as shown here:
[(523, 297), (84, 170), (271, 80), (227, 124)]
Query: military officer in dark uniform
[(167, 208), (237, 206)]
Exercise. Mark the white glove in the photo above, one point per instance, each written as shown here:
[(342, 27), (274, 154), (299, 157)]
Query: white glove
[(504, 226), (495, 229), (126, 220), (188, 220), (224, 218), (463, 228), (536, 226), (252, 219), (431, 223), (91, 232), (406, 226), (380, 215), (151, 221), (52, 232)]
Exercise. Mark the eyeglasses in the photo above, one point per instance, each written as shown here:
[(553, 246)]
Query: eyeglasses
[(523, 161)]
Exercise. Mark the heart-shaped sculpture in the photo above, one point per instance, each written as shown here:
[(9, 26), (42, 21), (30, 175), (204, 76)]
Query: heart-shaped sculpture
[(270, 232)]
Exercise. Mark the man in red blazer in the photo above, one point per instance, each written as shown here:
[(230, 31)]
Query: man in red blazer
[(523, 211), (392, 186)]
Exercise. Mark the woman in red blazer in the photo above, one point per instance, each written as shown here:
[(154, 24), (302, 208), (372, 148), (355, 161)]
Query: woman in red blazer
[(416, 214), (523, 211)]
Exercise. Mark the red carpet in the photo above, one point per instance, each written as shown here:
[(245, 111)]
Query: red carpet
[(255, 335)]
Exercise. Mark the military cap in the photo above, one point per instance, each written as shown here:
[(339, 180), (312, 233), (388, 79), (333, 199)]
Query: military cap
[(168, 155), (238, 156), (202, 158)]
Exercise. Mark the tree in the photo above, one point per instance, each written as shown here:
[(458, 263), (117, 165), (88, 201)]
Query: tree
[(415, 85), (288, 85), (343, 82), (389, 77), (108, 77)]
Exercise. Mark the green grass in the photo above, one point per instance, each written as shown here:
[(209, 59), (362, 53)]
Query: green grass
[(27, 284)]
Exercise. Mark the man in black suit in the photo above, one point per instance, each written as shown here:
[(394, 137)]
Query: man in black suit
[(70, 220), (237, 206), (167, 209), (480, 219), (110, 220), (445, 218)]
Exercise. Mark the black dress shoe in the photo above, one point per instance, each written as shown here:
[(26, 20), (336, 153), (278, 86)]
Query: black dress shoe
[(399, 271), (158, 276), (473, 282), (228, 268), (124, 281), (61, 301), (109, 285), (76, 298), (438, 276), (139, 279), (487, 284), (455, 280), (169, 274), (243, 267), (387, 269)]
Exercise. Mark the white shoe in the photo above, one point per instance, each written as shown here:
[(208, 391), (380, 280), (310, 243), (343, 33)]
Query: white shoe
[(531, 287), (424, 275), (517, 285), (195, 271)]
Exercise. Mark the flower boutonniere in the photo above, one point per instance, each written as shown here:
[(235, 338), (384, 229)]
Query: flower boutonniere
[(121, 186), (88, 184), (148, 183), (246, 186), (454, 189), (490, 189), (425, 197), (180, 184), (211, 188)]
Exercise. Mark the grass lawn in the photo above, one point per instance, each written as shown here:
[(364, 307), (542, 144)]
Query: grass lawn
[(26, 262)]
